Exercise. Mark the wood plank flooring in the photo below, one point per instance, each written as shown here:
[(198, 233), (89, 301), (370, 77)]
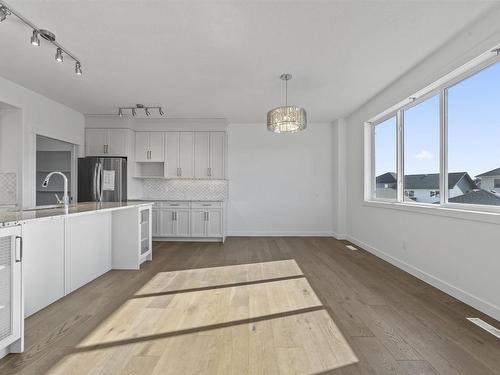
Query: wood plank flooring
[(257, 306)]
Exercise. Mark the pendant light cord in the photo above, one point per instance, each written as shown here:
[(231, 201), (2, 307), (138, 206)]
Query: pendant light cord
[(286, 93)]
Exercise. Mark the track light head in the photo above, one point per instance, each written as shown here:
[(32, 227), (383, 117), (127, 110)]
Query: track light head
[(133, 112), (35, 40), (120, 112), (4, 12), (160, 110), (59, 55), (78, 68), (147, 111)]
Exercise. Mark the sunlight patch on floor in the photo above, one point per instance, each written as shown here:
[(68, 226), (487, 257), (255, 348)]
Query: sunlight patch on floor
[(275, 326)]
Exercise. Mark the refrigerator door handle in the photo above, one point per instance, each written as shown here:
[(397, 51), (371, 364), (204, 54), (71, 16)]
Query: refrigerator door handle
[(99, 185), (94, 183)]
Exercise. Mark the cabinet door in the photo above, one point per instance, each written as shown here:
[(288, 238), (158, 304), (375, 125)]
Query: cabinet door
[(95, 142), (217, 147), (142, 146), (10, 286), (155, 222), (167, 226), (182, 223), (171, 154), (117, 142), (214, 223), (156, 147), (198, 220), (186, 154), (201, 155), (43, 250)]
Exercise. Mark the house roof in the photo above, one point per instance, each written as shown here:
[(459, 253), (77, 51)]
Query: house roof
[(493, 172), (426, 181), (477, 197), (431, 181), (387, 178)]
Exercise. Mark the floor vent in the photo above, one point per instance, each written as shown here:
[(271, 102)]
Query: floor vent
[(487, 327), (350, 247)]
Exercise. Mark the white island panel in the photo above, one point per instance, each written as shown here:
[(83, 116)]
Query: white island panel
[(88, 248)]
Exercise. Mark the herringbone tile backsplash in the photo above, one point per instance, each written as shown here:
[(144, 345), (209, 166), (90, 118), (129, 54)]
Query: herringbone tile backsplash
[(209, 190)]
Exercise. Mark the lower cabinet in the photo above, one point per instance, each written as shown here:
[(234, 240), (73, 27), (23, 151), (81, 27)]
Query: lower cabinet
[(206, 223), (174, 223), (188, 219)]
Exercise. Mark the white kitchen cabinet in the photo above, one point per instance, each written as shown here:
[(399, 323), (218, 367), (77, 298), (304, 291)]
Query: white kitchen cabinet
[(206, 223), (186, 155), (214, 223), (43, 263), (149, 147), (174, 223), (87, 248), (209, 155), (11, 299), (202, 155), (217, 155), (106, 142), (179, 155)]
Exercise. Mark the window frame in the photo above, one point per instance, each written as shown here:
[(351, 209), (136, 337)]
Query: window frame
[(439, 88)]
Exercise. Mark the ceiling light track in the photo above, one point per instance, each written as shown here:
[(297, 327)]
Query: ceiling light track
[(133, 110), (6, 10)]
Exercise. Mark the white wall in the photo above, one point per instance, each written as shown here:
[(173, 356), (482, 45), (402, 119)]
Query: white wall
[(280, 184), (44, 116), (460, 256)]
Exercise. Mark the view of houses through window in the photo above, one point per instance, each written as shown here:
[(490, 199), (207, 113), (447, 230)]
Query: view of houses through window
[(473, 145)]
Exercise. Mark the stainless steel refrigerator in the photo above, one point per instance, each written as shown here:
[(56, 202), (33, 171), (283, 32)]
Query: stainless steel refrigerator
[(102, 179)]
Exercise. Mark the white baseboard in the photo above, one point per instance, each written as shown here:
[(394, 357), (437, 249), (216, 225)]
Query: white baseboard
[(460, 294), (279, 234)]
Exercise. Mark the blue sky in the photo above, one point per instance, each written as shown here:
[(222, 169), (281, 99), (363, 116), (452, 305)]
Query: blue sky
[(473, 130)]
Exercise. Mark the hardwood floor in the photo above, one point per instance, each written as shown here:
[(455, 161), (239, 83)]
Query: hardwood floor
[(257, 306)]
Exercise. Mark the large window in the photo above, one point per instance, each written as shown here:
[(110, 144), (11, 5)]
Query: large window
[(445, 144), (385, 159), (421, 151), (474, 137)]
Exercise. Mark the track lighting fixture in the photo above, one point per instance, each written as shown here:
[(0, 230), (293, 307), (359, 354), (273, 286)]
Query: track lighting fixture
[(147, 110), (35, 40), (78, 68), (6, 10), (59, 55)]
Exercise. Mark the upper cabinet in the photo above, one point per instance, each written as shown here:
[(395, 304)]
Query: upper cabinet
[(179, 155), (106, 142), (209, 155), (149, 147)]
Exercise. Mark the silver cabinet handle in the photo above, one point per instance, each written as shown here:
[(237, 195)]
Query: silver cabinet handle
[(208, 216), (19, 245), (173, 215), (180, 171)]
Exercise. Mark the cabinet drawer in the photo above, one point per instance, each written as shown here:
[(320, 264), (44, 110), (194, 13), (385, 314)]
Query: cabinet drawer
[(173, 204), (206, 204)]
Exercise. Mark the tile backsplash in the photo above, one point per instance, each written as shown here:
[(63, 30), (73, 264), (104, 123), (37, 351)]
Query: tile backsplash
[(8, 189), (215, 190)]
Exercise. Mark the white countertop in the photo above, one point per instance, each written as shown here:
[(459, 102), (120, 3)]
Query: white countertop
[(9, 218)]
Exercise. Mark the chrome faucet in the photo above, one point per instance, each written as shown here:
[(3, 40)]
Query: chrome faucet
[(65, 198)]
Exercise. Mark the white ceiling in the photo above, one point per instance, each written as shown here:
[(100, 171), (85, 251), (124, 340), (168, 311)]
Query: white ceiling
[(223, 58)]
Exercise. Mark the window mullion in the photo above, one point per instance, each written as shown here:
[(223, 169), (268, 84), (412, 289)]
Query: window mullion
[(400, 153), (443, 146)]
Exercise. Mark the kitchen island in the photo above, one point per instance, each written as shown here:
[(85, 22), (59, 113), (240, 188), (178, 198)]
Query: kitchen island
[(63, 251)]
